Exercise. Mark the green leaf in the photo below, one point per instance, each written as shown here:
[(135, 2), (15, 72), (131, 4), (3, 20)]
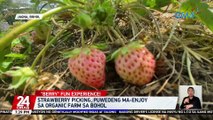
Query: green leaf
[(20, 77), (111, 11), (129, 1), (208, 21), (157, 4), (16, 55), (15, 42), (201, 10), (21, 71), (3, 53), (27, 71), (16, 83), (71, 2), (150, 3), (103, 12), (5, 65), (162, 3), (67, 2), (14, 73)]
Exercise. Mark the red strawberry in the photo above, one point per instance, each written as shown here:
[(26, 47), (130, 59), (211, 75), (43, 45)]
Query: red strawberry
[(135, 64), (88, 66)]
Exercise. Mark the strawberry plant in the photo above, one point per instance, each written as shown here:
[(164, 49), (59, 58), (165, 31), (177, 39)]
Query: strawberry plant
[(129, 47), (22, 77)]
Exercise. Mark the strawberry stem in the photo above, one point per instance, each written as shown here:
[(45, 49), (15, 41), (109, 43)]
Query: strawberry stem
[(110, 36), (42, 59), (82, 38)]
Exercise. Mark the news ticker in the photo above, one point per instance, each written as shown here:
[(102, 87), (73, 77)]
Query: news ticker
[(93, 101), (28, 112)]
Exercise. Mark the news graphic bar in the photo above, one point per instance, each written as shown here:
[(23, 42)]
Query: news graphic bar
[(107, 102), (94, 101)]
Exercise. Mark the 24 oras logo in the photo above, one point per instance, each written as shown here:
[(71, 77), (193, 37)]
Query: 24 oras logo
[(185, 15), (21, 103)]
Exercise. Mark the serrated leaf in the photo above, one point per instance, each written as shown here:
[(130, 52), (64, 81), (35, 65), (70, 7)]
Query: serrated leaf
[(103, 12), (20, 76), (107, 5)]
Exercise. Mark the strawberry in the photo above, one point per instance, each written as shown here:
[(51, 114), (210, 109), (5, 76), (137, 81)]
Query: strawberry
[(88, 66), (135, 64)]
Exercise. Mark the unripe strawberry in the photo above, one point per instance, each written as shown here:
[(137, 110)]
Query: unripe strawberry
[(135, 64), (88, 66)]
